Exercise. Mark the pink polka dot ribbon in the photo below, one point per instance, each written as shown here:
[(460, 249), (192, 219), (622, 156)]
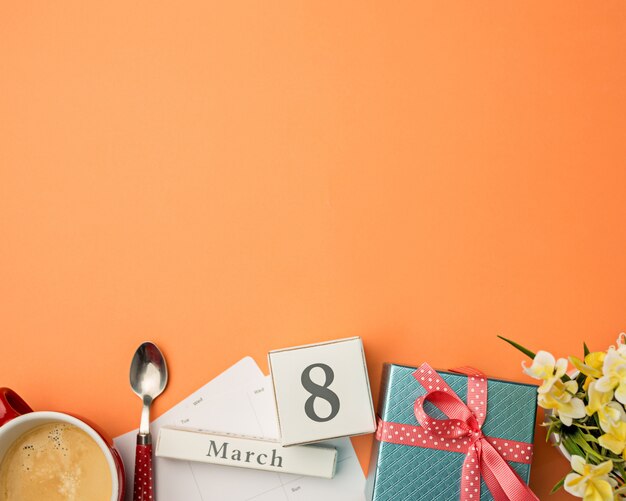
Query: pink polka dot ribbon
[(485, 457)]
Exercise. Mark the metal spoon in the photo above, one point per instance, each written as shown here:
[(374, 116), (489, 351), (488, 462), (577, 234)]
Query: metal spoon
[(148, 378)]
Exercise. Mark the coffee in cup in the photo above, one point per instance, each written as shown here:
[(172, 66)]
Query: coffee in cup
[(56, 461)]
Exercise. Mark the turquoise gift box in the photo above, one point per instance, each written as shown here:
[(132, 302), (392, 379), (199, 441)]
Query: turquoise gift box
[(405, 470)]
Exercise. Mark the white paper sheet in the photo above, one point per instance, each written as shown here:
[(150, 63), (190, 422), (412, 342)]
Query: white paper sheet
[(246, 408), (172, 481)]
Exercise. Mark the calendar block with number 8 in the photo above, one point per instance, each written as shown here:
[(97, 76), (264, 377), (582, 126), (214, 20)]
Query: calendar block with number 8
[(322, 391)]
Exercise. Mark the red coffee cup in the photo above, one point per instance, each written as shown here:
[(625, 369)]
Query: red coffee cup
[(17, 418)]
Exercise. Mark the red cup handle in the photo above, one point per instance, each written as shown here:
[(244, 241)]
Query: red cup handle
[(11, 405)]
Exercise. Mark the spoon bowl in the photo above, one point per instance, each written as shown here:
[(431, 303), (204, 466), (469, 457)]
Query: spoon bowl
[(148, 372)]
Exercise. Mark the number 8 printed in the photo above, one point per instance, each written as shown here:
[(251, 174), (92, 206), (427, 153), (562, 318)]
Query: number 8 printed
[(322, 392)]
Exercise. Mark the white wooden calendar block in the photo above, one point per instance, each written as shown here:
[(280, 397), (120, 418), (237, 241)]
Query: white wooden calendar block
[(245, 452), (322, 391)]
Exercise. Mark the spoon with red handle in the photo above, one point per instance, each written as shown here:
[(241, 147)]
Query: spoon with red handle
[(148, 378)]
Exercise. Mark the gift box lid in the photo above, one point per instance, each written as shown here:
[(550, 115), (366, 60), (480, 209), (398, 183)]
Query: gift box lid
[(407, 472)]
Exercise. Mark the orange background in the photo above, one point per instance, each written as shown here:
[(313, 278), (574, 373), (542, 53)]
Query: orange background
[(225, 178)]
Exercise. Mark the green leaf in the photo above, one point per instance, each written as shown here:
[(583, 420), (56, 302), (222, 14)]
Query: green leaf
[(558, 485), (584, 445), (554, 427), (572, 447), (585, 427), (590, 438), (525, 351), (586, 349)]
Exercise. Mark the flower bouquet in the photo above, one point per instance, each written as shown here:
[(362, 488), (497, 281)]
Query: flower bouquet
[(586, 416)]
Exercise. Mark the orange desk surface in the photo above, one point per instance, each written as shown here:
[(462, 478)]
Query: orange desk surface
[(225, 178)]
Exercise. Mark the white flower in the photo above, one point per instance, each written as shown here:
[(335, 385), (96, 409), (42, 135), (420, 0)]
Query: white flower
[(614, 374), (615, 437), (546, 368), (561, 400), (592, 483), (601, 402)]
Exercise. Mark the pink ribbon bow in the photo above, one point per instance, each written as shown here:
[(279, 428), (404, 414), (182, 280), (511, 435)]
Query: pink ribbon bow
[(485, 457)]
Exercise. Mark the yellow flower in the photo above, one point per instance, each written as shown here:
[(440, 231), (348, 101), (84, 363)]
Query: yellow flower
[(615, 437), (561, 400), (592, 483), (601, 402), (614, 374), (548, 369), (591, 367)]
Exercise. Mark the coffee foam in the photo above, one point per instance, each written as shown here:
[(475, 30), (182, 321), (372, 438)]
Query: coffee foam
[(56, 462)]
